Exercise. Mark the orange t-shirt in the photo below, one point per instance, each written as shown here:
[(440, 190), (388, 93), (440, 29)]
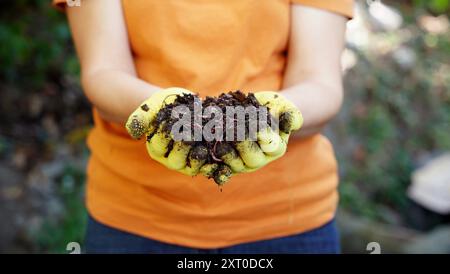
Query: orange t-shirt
[(210, 47)]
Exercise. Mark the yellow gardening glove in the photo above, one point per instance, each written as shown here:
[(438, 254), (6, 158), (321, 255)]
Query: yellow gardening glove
[(270, 145), (175, 155)]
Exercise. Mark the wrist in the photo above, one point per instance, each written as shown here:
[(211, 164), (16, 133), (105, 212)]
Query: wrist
[(291, 97)]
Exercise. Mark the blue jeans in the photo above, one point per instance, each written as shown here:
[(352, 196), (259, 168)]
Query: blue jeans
[(104, 239)]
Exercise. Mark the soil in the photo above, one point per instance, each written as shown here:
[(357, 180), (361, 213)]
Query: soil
[(210, 150)]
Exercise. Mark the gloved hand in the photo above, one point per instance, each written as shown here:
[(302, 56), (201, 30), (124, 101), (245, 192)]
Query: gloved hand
[(270, 145), (175, 155)]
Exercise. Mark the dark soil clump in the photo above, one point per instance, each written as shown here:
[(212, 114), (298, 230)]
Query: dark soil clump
[(214, 149)]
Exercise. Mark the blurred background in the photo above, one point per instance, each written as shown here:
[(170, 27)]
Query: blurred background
[(392, 137)]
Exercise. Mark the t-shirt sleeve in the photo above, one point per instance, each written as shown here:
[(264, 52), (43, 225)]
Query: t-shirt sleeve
[(344, 7)]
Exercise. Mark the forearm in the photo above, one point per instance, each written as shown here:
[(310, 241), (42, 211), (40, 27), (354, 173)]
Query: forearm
[(317, 102), (115, 93), (313, 80), (108, 74)]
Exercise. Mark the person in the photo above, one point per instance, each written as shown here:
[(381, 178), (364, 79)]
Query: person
[(131, 50)]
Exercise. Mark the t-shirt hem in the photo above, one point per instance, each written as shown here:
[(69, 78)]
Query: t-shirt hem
[(114, 218), (342, 7)]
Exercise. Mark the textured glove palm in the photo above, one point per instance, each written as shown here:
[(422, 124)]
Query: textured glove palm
[(270, 145), (141, 123)]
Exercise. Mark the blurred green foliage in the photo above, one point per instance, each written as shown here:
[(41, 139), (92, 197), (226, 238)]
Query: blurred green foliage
[(398, 116), (37, 59), (435, 6), (55, 234), (35, 44)]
